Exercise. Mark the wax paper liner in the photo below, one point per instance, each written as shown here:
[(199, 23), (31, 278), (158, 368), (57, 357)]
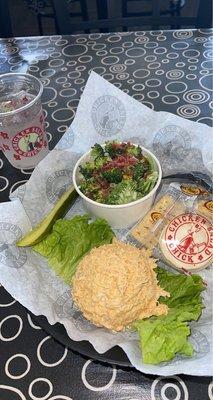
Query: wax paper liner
[(103, 109)]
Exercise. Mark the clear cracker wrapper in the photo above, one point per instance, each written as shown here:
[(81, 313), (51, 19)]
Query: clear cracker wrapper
[(178, 228)]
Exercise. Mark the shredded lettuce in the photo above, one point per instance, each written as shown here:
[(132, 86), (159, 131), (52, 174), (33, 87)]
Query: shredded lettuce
[(70, 240), (161, 338)]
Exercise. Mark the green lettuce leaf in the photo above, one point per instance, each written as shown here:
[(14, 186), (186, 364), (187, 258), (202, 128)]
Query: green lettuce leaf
[(70, 240), (161, 338)]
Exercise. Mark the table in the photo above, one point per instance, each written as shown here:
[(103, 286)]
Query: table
[(166, 70)]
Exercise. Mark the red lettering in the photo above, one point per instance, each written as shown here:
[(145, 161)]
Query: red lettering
[(207, 252), (175, 251), (190, 259), (184, 218), (184, 257), (175, 224), (171, 229)]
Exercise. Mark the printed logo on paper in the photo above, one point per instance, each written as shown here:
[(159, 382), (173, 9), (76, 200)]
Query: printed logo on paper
[(57, 183), (155, 216), (172, 143), (28, 142), (11, 255), (4, 135), (108, 115), (67, 140), (200, 345), (65, 308), (64, 305), (190, 190), (189, 239), (21, 192), (209, 205)]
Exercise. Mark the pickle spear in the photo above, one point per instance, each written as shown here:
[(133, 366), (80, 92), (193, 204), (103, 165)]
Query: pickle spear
[(40, 231)]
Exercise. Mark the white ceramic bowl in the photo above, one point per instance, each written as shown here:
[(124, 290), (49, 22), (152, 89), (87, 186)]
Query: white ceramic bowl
[(118, 216)]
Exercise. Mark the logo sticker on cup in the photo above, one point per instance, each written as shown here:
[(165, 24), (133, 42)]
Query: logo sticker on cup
[(28, 142)]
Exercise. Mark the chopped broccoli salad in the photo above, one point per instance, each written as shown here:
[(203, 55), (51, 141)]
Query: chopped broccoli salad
[(118, 173)]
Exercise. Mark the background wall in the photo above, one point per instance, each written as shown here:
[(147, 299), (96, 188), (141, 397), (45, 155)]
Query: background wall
[(24, 20)]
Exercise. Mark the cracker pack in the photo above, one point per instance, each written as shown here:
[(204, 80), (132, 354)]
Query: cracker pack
[(178, 228)]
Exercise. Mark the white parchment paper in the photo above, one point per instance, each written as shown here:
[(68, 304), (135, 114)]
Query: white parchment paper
[(104, 112)]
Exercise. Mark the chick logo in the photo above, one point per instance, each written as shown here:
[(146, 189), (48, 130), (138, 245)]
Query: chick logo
[(200, 345), (28, 142), (108, 115), (57, 183), (65, 308), (172, 143), (189, 239), (11, 255)]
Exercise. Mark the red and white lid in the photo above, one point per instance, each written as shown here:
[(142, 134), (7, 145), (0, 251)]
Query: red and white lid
[(187, 242)]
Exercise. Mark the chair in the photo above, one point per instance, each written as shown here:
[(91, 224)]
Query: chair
[(173, 9), (203, 19), (44, 9), (5, 21)]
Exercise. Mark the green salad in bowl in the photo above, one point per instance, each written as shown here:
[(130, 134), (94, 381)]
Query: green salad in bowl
[(117, 181), (117, 173)]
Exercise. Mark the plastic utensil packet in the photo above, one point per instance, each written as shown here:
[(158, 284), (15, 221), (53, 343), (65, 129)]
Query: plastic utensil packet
[(178, 228)]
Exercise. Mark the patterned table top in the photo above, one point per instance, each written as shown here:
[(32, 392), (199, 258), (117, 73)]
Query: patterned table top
[(166, 70)]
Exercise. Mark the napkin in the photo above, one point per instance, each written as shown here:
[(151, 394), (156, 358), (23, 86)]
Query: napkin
[(104, 113)]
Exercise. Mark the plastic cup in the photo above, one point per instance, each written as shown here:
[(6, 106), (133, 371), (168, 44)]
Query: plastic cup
[(22, 134)]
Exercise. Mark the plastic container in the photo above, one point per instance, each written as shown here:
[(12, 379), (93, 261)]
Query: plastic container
[(118, 216), (22, 134)]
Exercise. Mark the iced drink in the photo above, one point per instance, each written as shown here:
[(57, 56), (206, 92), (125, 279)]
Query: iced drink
[(22, 134)]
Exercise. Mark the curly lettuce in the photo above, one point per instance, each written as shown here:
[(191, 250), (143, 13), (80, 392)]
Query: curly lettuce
[(70, 240), (161, 338)]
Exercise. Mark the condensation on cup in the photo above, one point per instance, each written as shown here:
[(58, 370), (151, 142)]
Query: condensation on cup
[(22, 134)]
